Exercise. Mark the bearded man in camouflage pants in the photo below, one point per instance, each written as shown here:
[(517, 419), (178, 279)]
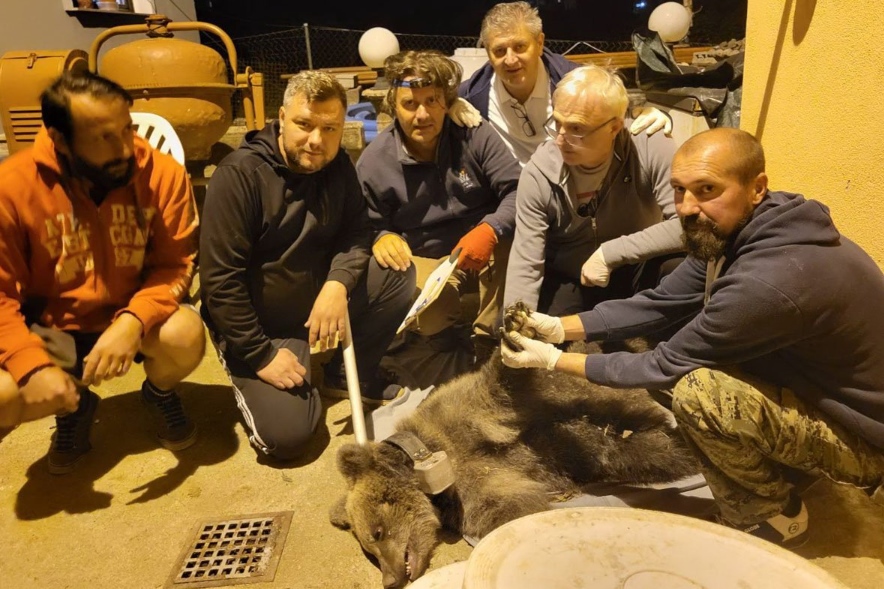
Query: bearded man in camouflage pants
[(778, 357)]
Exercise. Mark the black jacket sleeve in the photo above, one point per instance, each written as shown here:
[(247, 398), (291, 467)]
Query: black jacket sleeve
[(231, 224), (352, 250)]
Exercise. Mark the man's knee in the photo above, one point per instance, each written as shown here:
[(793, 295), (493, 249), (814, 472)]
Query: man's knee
[(721, 402), (284, 442), (10, 403), (390, 289), (692, 394), (8, 387), (181, 338), (398, 284)]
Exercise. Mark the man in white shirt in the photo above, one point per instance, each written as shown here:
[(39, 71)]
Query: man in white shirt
[(514, 89)]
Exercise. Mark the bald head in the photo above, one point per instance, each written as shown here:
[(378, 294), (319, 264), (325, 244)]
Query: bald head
[(718, 179), (740, 154)]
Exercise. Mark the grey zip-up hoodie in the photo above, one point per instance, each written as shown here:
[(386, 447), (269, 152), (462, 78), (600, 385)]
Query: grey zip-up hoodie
[(796, 304), (633, 200), (270, 238)]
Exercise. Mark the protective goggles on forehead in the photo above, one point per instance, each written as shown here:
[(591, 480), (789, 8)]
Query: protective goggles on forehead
[(413, 83)]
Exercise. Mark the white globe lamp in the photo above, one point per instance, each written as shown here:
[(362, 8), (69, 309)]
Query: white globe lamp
[(375, 46), (671, 20)]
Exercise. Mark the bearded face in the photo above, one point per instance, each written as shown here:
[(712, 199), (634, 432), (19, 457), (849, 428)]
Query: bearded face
[(703, 237), (108, 176)]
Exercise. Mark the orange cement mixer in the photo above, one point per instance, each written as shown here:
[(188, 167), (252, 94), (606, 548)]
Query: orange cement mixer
[(184, 82)]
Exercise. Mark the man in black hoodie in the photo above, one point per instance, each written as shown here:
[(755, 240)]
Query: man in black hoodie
[(780, 358), (284, 252)]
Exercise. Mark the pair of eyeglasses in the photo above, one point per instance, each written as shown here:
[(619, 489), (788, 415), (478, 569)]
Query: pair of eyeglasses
[(574, 139), (527, 126)]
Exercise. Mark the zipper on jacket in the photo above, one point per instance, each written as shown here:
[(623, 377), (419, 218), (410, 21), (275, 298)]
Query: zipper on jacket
[(99, 261)]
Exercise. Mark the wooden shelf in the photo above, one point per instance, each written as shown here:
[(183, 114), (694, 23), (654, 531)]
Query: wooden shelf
[(94, 18), (627, 59), (97, 11)]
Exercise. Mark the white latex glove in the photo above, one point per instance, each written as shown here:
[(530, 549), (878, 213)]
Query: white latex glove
[(595, 271), (547, 328), (650, 120), (464, 114), (534, 354)]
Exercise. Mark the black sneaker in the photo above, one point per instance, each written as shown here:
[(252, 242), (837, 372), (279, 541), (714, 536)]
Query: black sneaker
[(70, 441), (379, 392), (174, 430), (788, 529)]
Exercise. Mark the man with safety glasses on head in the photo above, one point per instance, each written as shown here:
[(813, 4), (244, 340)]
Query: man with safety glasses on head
[(594, 207), (433, 187)]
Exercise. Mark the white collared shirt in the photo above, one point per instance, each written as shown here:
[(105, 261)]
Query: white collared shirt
[(510, 126)]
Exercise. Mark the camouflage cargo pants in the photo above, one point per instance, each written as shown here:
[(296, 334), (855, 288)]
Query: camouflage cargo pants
[(742, 429)]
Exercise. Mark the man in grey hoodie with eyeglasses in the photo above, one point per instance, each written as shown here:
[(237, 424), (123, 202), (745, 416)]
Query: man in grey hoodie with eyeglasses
[(595, 215)]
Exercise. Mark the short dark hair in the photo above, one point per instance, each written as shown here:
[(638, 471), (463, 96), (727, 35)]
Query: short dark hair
[(314, 86), (55, 102)]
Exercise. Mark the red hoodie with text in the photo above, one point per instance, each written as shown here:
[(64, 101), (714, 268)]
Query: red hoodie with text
[(75, 265)]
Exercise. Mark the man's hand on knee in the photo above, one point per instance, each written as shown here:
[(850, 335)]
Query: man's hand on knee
[(114, 351), (391, 251), (328, 318), (47, 391), (284, 371)]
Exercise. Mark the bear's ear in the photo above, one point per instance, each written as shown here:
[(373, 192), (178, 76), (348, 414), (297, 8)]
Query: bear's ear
[(354, 460), (337, 515)]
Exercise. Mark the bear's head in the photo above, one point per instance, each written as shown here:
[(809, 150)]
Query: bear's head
[(392, 519)]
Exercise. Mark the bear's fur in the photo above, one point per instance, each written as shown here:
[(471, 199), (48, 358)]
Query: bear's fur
[(517, 439)]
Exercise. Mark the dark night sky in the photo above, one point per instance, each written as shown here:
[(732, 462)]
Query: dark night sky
[(717, 20)]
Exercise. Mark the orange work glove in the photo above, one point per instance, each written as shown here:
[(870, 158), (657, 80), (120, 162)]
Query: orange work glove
[(476, 247)]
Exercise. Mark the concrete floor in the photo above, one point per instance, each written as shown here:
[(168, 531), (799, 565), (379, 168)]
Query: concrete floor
[(122, 518)]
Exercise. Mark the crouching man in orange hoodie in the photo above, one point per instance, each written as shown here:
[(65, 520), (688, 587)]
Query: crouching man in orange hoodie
[(98, 235)]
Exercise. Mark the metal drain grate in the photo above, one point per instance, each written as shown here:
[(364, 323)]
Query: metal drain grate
[(232, 551)]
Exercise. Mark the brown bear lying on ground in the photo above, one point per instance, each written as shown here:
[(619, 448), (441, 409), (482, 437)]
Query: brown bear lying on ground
[(517, 439)]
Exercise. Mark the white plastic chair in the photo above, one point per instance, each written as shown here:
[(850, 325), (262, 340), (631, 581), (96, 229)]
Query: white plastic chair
[(159, 133)]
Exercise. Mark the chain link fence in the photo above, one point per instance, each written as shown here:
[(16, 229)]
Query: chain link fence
[(310, 47)]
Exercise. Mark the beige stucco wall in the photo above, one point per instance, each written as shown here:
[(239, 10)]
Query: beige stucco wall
[(812, 94), (44, 24)]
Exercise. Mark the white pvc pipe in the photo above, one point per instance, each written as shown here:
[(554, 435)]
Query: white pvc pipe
[(352, 375)]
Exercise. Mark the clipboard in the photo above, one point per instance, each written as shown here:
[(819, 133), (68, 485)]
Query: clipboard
[(431, 289)]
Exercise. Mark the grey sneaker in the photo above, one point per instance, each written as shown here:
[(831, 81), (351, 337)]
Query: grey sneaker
[(175, 431), (70, 441), (788, 529)]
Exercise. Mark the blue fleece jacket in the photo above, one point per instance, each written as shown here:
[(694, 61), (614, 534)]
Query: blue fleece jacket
[(433, 204), (476, 90), (796, 304)]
